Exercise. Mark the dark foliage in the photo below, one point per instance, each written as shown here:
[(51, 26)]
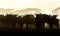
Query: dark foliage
[(14, 23)]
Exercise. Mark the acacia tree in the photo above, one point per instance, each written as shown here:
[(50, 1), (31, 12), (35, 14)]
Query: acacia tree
[(40, 21), (28, 20), (20, 21), (10, 20), (51, 20), (2, 20), (56, 21)]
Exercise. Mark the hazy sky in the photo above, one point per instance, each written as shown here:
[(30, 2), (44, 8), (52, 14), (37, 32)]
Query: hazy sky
[(45, 5)]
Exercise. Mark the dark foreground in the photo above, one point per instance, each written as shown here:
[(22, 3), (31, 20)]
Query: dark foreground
[(24, 30)]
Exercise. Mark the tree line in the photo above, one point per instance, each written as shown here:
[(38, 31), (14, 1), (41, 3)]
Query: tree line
[(39, 21)]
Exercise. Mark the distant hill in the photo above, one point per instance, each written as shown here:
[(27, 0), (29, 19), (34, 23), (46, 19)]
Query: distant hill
[(56, 11), (5, 11), (27, 11)]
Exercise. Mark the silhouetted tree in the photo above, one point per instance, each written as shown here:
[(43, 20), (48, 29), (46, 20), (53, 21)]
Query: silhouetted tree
[(52, 21), (20, 22), (2, 20), (56, 21), (28, 19), (40, 20), (10, 20)]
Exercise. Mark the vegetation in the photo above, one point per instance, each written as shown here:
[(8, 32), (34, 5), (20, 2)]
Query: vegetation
[(13, 23)]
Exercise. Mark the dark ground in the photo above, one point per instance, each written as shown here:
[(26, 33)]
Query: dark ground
[(25, 30)]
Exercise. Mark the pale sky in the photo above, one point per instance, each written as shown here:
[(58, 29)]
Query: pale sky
[(45, 5)]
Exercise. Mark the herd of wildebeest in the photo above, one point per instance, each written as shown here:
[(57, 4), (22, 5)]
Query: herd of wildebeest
[(12, 22)]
